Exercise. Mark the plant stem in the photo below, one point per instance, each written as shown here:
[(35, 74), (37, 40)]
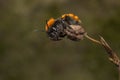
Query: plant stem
[(112, 55), (92, 39)]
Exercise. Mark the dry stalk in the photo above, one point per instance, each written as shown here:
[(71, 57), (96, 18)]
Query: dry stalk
[(112, 55)]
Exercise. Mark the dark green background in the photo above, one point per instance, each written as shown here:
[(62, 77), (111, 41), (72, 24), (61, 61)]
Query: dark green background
[(26, 53)]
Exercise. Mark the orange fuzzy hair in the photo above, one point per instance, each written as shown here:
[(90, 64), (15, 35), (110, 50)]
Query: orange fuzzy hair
[(72, 16), (49, 23)]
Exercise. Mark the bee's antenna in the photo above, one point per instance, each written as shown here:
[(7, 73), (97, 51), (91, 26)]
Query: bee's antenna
[(36, 29)]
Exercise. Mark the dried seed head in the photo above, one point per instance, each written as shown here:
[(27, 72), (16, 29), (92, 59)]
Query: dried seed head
[(75, 32)]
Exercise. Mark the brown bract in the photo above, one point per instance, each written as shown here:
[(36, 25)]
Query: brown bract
[(75, 32)]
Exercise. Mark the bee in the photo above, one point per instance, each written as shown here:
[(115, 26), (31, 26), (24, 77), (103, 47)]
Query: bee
[(55, 29), (67, 25)]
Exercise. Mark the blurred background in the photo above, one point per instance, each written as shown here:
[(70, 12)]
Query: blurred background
[(26, 53)]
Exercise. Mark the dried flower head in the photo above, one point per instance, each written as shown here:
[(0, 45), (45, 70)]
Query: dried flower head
[(75, 32)]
